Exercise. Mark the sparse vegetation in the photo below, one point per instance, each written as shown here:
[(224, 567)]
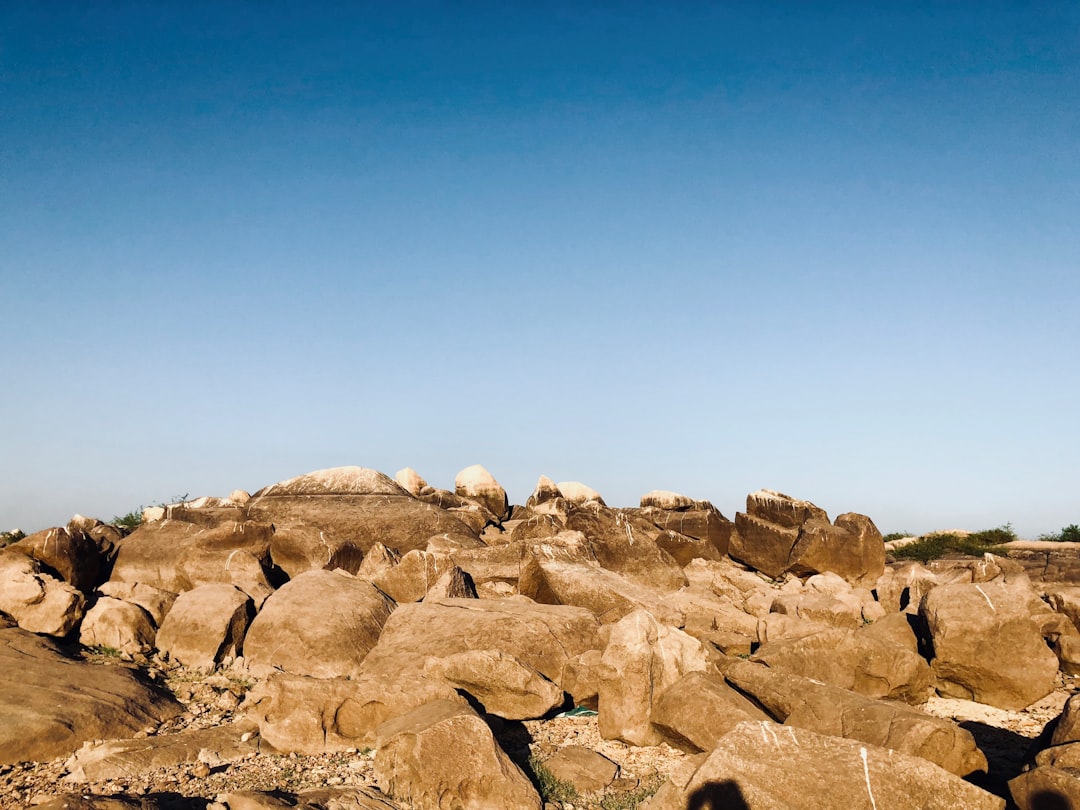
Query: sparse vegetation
[(1068, 534), (103, 651), (14, 536), (935, 546), (630, 800), (134, 519), (897, 536), (551, 788)]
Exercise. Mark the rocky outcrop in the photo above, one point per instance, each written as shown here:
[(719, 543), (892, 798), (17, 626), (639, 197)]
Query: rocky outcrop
[(477, 484), (52, 704), (36, 600), (205, 626), (297, 547), (498, 682), (700, 708), (69, 552), (119, 626)]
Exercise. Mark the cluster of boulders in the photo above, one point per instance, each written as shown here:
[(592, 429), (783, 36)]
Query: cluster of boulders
[(779, 649)]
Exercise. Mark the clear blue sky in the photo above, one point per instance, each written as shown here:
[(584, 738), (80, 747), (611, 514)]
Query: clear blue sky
[(831, 249)]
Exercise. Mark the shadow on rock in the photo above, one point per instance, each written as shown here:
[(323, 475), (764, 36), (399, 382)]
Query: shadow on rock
[(1006, 752), (718, 796), (1049, 800)]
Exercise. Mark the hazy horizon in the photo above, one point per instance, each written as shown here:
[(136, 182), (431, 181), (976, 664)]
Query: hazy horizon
[(828, 249)]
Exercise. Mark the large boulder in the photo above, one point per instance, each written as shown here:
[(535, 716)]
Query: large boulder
[(872, 666), (986, 645), (477, 484), (297, 547), (118, 625), (830, 710), (307, 715), (360, 504), (71, 553), (323, 624), (543, 637), (53, 704), (697, 520), (700, 708), (206, 625), (642, 659), (36, 600), (625, 542), (177, 556), (765, 766), (442, 755), (501, 684)]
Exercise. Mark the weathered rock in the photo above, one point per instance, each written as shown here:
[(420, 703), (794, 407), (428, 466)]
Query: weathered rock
[(410, 577), (452, 584), (500, 683), (154, 601), (819, 607), (118, 759), (762, 545), (323, 624), (684, 548), (345, 798), (543, 637), (537, 527), (874, 667), (865, 557), (311, 715), (177, 556), (71, 554), (782, 510), (626, 543), (641, 660), (700, 708), (578, 494), (478, 484), (119, 625), (296, 548), (206, 625), (1067, 728), (442, 755), (986, 645), (702, 522), (53, 704), (36, 600), (1046, 788), (362, 505), (903, 585), (666, 499), (77, 801), (545, 490), (765, 766), (822, 546), (410, 481), (582, 767), (837, 712), (581, 678)]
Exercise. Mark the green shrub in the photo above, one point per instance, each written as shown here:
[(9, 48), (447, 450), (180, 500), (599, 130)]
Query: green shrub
[(134, 519), (935, 546), (897, 536), (14, 536)]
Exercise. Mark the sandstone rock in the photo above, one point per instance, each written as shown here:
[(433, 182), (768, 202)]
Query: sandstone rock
[(205, 625), (477, 483), (582, 767), (902, 586), (543, 637), (442, 755), (452, 584), (822, 546), (641, 660), (762, 545), (362, 505), (986, 646), (71, 554), (1067, 728), (769, 767), (410, 481), (665, 499), (1046, 788), (581, 678), (154, 601), (323, 623), (578, 494), (851, 660), (312, 715), (120, 625), (546, 490), (626, 544), (782, 510), (819, 607), (537, 526), (500, 683), (700, 708), (837, 712), (701, 522), (119, 759), (177, 556), (410, 577), (53, 704), (296, 548), (37, 601), (684, 548), (345, 798), (77, 801), (865, 557)]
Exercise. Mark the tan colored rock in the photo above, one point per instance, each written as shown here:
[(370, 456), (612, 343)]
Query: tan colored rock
[(701, 522), (546, 490), (865, 558), (323, 624), (578, 494), (819, 607), (543, 637), (71, 554), (410, 577), (765, 766), (581, 678), (1067, 728), (1046, 788), (119, 625), (700, 708), (829, 710), (986, 645), (625, 542), (360, 504), (53, 704), (503, 685), (782, 510), (442, 755), (478, 484), (296, 548), (452, 584), (206, 625), (874, 667), (642, 659), (585, 769), (762, 545), (154, 601), (343, 798), (666, 499), (313, 715), (410, 481), (902, 586), (37, 601)]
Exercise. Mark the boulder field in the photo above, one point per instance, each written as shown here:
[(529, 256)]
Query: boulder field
[(416, 642)]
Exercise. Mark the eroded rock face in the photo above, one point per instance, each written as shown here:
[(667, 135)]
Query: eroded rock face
[(36, 600), (69, 552), (583, 768), (771, 767), (205, 625), (296, 548), (442, 755), (986, 645), (359, 504), (503, 685), (477, 484), (700, 708), (323, 624), (119, 625), (52, 704)]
